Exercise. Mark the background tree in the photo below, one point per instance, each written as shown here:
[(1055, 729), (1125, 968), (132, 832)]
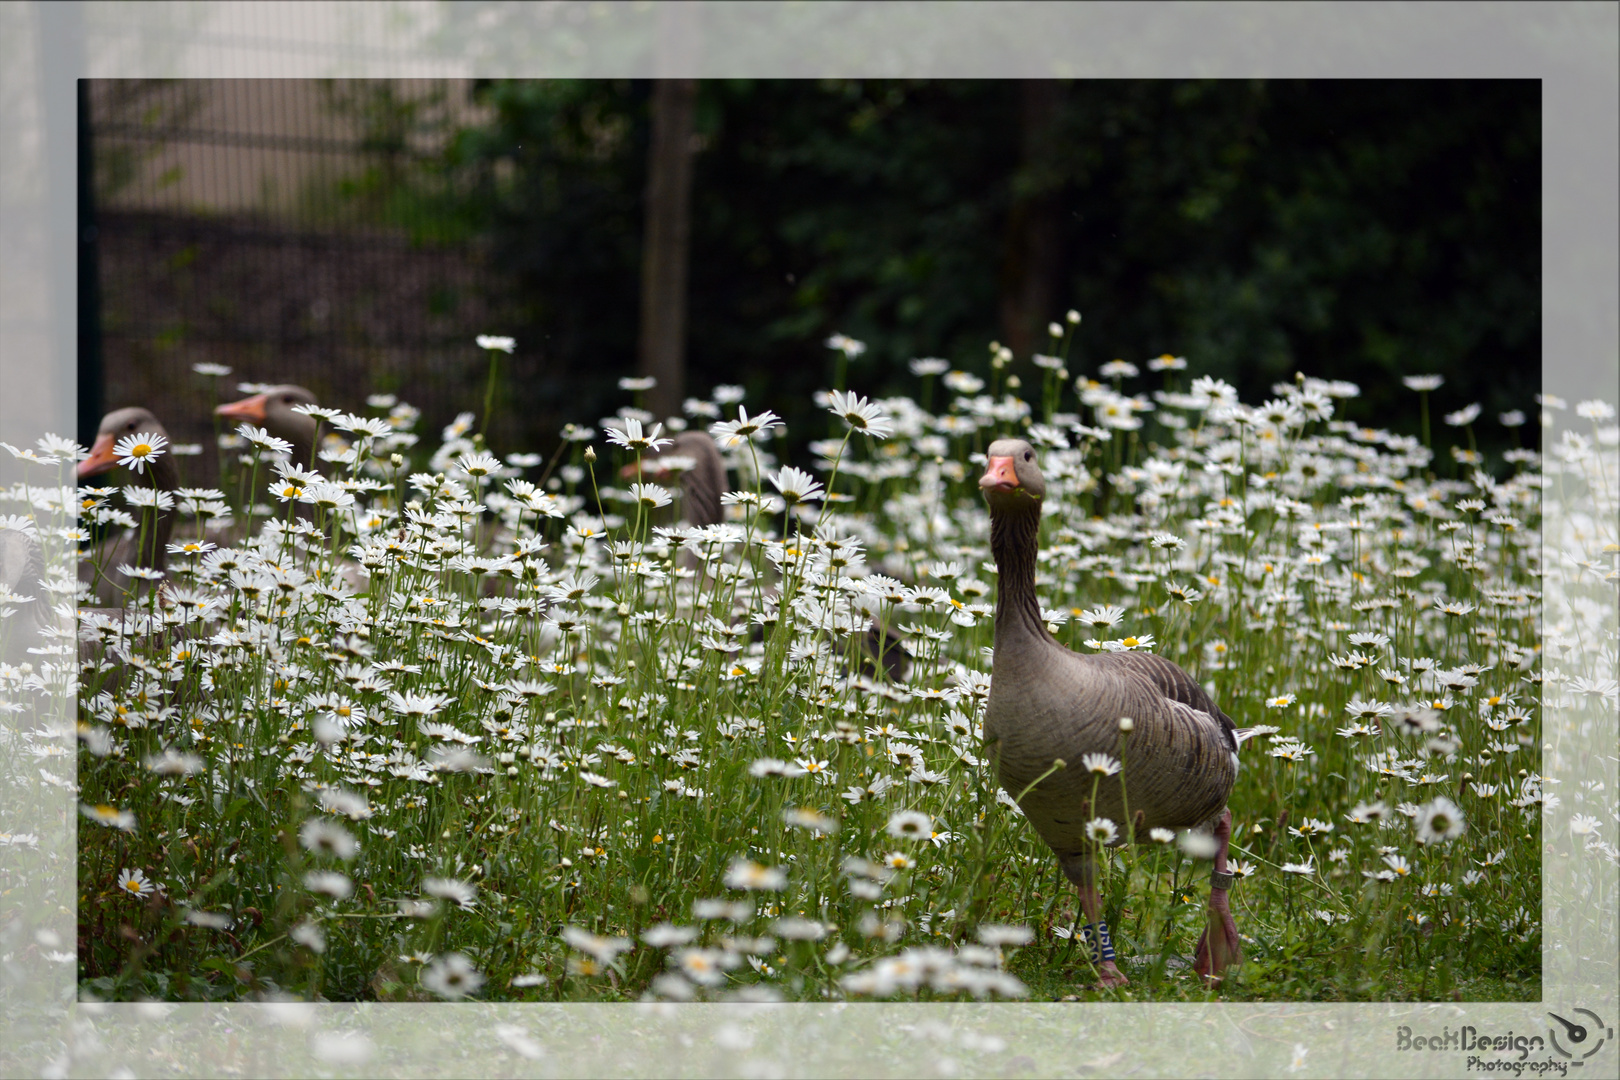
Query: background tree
[(665, 248)]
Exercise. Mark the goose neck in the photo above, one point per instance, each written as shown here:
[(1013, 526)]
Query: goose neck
[(1014, 540)]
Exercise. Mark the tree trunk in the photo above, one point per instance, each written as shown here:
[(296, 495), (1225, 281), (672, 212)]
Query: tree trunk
[(664, 251), (1032, 256)]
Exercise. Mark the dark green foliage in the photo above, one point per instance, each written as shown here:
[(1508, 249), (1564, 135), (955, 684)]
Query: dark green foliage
[(1360, 230), (561, 172)]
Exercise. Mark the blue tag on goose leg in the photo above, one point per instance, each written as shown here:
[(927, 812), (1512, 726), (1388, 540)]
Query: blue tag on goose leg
[(1095, 935)]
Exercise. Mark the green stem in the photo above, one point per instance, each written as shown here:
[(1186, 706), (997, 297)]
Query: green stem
[(489, 391)]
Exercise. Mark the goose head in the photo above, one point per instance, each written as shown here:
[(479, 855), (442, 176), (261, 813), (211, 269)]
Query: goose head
[(115, 426), (273, 411), (1012, 475)]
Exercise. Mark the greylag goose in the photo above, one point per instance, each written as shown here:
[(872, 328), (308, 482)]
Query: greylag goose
[(143, 549), (273, 411), (1050, 708), (111, 588), (703, 483)]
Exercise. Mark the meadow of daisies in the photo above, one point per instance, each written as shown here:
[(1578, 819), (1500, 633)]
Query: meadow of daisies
[(440, 720)]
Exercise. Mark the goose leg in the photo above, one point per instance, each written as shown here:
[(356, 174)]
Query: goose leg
[(1108, 973), (1219, 946)]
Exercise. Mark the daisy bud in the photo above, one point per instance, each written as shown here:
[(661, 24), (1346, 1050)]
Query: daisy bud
[(590, 455)]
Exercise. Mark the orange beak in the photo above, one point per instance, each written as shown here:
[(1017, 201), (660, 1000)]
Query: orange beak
[(101, 459), (247, 409), (1000, 475)]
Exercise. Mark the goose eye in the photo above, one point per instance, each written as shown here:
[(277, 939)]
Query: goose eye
[(1029, 456)]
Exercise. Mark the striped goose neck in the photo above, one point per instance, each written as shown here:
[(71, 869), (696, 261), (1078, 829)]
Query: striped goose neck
[(1014, 539)]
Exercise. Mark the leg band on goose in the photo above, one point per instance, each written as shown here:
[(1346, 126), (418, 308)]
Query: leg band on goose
[(1221, 880), (1095, 935)]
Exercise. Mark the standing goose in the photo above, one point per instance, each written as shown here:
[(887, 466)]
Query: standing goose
[(144, 549), (1050, 707)]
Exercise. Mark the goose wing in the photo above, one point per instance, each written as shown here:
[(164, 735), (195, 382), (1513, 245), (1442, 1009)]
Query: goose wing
[(1169, 681)]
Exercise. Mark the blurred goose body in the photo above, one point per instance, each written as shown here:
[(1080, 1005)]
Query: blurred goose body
[(703, 482)]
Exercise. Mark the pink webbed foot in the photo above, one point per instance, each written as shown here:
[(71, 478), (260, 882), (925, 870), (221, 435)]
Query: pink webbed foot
[(1109, 976)]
